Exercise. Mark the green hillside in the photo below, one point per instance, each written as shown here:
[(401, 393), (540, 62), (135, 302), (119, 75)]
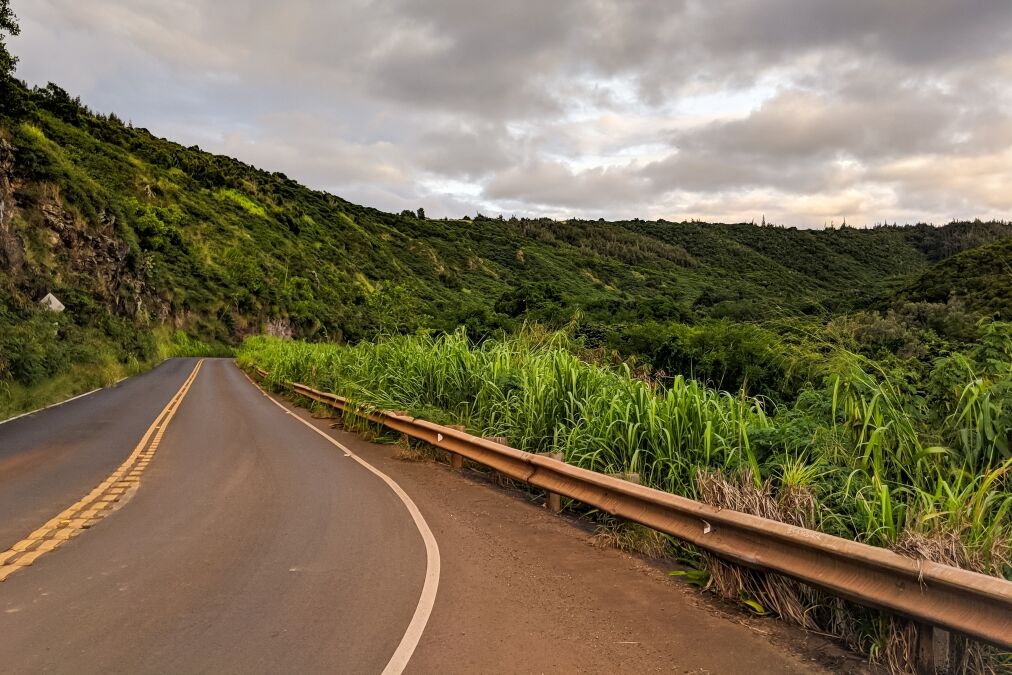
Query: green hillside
[(150, 244), (982, 277)]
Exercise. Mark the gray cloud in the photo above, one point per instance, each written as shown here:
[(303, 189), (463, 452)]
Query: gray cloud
[(548, 184), (912, 32), (806, 110), (464, 151)]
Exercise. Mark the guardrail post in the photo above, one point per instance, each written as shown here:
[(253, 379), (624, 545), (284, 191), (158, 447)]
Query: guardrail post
[(925, 649), (555, 500), (934, 651), (456, 460), (945, 658)]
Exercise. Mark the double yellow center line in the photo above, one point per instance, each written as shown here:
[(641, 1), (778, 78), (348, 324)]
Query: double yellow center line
[(99, 502)]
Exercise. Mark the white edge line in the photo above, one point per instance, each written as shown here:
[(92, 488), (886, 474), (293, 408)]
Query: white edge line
[(399, 661), (87, 393)]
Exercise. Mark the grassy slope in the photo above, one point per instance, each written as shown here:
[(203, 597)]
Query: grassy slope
[(233, 244)]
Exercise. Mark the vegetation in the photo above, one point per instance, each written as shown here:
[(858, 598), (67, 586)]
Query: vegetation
[(8, 90), (42, 370), (862, 433), (983, 276), (864, 454)]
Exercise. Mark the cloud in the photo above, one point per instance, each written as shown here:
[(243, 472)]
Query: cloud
[(978, 182), (548, 184), (808, 109), (807, 141), (460, 151)]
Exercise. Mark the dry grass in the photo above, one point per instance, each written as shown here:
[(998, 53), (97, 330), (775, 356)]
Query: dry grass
[(963, 655), (817, 611), (410, 454), (410, 450), (632, 538), (763, 592)]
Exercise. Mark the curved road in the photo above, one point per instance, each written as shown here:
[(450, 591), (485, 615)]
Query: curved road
[(253, 545), (199, 526)]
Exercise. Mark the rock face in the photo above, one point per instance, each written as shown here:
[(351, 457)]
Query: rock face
[(12, 249), (84, 256), (87, 256)]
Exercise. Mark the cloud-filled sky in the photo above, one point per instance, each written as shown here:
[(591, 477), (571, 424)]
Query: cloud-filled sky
[(805, 111)]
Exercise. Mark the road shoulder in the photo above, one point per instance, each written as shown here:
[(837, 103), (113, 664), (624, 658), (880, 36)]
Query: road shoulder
[(523, 590)]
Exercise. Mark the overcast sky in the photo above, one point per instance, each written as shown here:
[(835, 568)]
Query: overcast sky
[(807, 111)]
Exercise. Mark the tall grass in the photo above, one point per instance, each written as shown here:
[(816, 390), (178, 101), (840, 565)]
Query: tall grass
[(870, 453), (539, 395)]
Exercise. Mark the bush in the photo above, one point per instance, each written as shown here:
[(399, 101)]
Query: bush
[(725, 354)]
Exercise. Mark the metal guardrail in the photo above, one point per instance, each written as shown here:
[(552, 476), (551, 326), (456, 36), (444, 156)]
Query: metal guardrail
[(934, 595)]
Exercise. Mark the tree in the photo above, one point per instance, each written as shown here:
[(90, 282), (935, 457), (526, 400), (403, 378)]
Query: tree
[(56, 100), (9, 25), (421, 213), (11, 91), (540, 297)]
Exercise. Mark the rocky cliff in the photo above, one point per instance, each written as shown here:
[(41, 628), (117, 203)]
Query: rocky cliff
[(45, 246)]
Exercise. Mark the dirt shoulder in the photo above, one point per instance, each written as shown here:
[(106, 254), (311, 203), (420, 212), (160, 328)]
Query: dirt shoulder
[(525, 591)]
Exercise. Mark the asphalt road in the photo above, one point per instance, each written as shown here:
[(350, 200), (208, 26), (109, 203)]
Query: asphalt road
[(53, 458), (235, 534), (252, 544)]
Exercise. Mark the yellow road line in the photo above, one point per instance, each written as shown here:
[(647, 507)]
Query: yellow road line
[(97, 503)]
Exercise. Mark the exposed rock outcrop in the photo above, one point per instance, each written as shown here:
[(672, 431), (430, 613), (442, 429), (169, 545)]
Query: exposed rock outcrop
[(12, 249), (85, 256)]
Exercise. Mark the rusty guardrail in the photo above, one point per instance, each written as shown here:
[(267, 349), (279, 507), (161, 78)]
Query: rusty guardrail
[(953, 599)]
